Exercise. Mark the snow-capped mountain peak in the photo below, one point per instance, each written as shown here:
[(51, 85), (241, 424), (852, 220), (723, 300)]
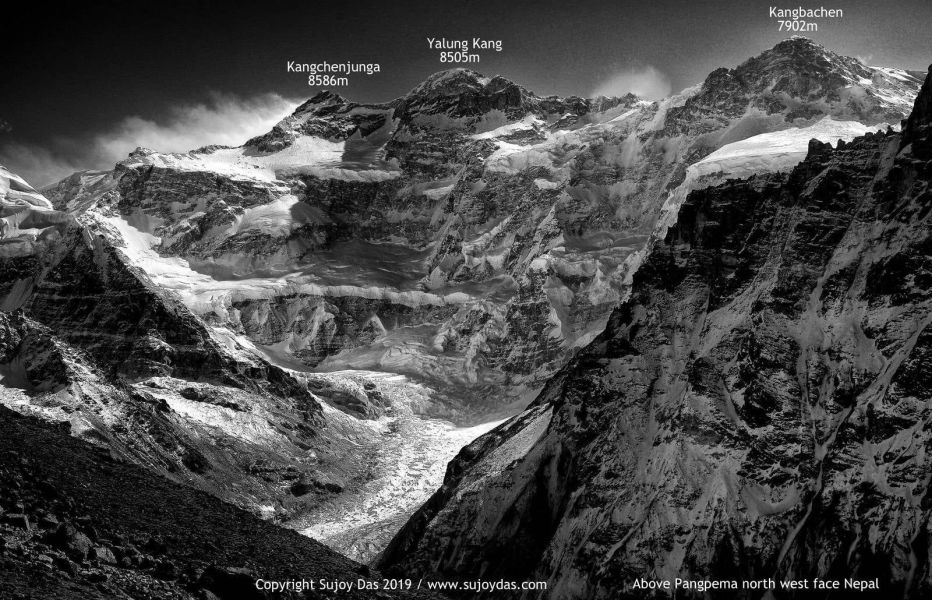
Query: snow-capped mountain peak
[(797, 82), (451, 81), (464, 93)]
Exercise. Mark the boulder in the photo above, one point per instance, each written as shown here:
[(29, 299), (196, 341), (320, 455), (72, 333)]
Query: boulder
[(71, 541)]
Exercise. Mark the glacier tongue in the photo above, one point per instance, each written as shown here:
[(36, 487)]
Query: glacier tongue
[(412, 457)]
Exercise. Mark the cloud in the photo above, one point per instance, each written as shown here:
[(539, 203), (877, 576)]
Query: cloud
[(223, 119), (38, 166), (647, 82)]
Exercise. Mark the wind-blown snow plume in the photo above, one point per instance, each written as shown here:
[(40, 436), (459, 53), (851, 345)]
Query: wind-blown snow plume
[(223, 119), (646, 82)]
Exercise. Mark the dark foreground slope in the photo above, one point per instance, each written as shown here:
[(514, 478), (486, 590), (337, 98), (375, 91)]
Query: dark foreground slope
[(758, 408), (74, 523)]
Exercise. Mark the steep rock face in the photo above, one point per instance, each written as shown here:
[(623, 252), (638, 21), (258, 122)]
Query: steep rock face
[(31, 360), (95, 302), (757, 407), (917, 126), (311, 328)]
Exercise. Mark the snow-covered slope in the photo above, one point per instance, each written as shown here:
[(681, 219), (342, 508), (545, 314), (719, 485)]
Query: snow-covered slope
[(306, 155), (779, 150)]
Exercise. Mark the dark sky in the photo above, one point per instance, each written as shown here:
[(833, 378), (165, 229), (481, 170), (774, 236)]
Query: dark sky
[(71, 72)]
